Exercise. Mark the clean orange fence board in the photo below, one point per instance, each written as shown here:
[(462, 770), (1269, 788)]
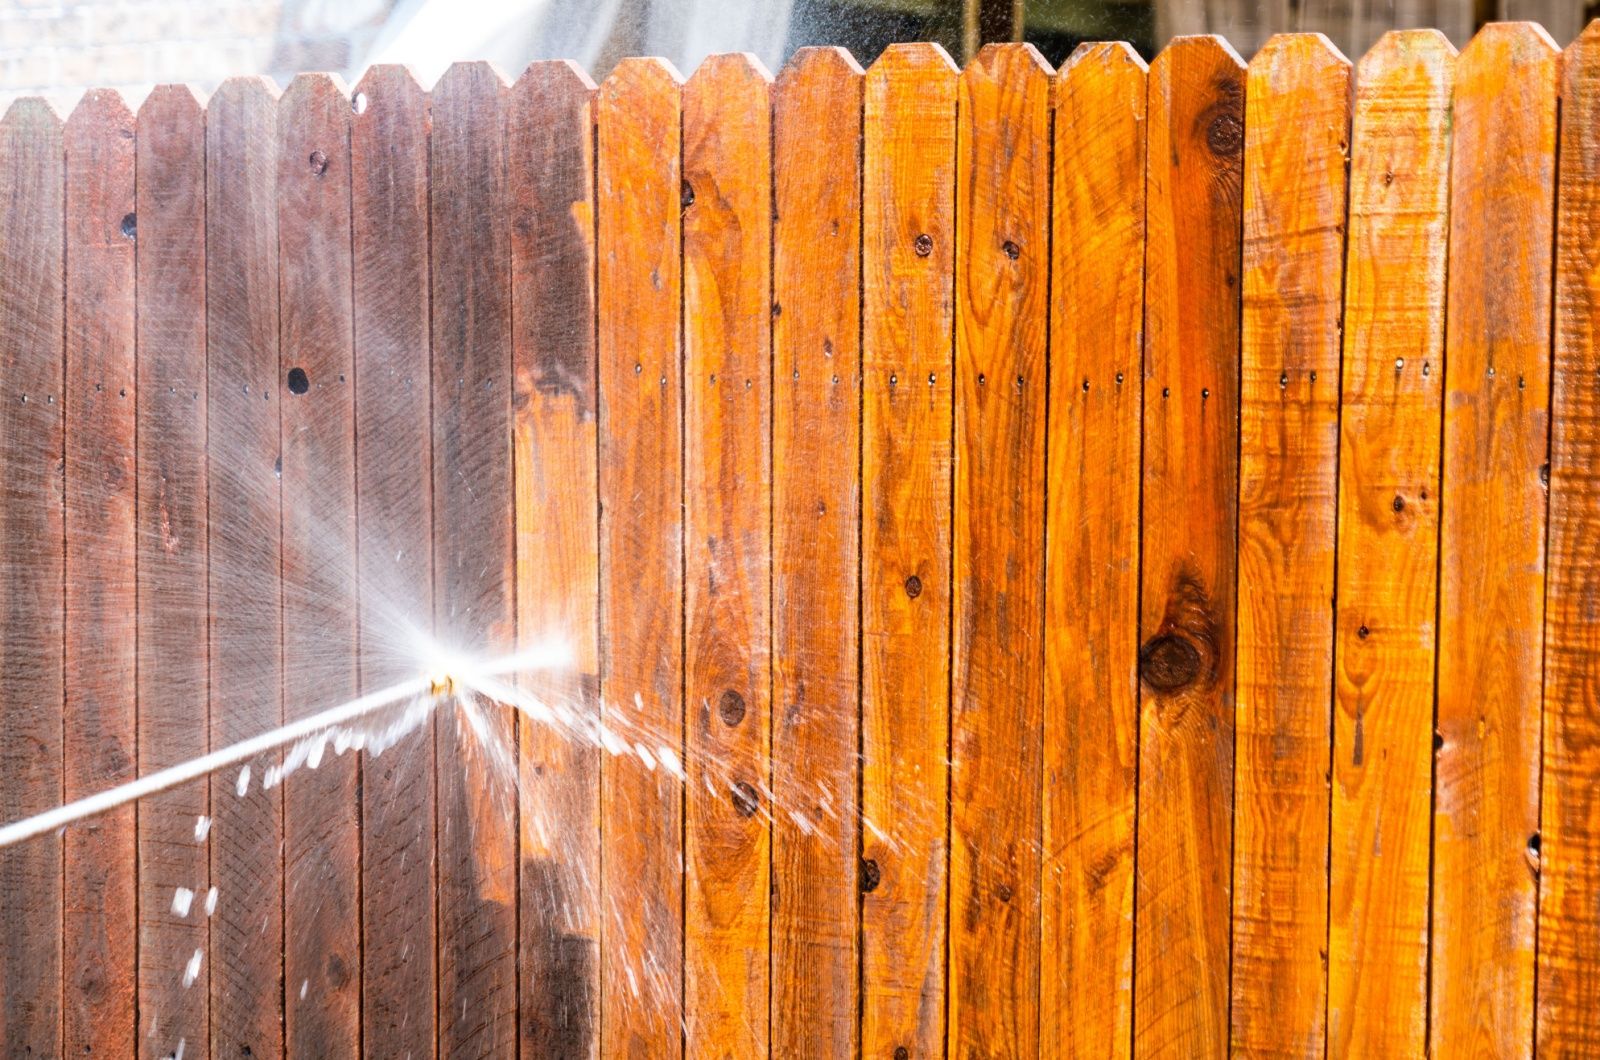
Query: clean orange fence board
[(1388, 551), (639, 194), (1091, 704), (908, 368), (32, 188), (170, 254), (1191, 422), (997, 698), (98, 970), (550, 147), (389, 245), (727, 486), (473, 557), (243, 392), (322, 868), (816, 538), (1297, 132), (1569, 852), (1491, 571)]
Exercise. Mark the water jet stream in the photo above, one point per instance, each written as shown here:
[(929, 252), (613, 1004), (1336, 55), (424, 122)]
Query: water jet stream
[(441, 681)]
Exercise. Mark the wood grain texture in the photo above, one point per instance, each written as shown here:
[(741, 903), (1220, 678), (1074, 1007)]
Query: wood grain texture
[(474, 558), (170, 278), (1297, 136), (640, 280), (1091, 695), (1186, 659), (727, 487), (243, 529), (99, 928), (32, 333), (908, 285), (997, 705), (1388, 555), (1491, 591), (816, 540), (1569, 812), (550, 148), (394, 532), (322, 852)]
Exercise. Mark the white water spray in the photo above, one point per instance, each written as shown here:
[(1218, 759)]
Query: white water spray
[(446, 676)]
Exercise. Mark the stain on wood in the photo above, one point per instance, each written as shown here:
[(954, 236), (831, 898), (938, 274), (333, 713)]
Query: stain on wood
[(1190, 481), (1297, 139), (997, 706), (1569, 818), (908, 289), (1390, 421), (1091, 695), (473, 556), (816, 539), (99, 962), (638, 197), (394, 532), (32, 452), (550, 151), (1491, 571)]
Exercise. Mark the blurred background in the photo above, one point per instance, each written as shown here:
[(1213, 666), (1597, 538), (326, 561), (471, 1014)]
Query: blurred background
[(57, 48)]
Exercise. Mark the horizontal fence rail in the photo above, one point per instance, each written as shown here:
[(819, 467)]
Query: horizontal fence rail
[(1085, 562)]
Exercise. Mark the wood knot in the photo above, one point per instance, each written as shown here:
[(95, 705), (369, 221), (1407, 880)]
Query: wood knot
[(1168, 662), (745, 800), (871, 875), (731, 708), (1225, 135)]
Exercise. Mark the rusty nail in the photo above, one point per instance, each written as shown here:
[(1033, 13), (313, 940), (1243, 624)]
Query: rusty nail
[(923, 245)]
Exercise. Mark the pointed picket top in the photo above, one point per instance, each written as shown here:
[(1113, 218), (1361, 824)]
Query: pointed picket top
[(730, 69), (1503, 44), (395, 84), (563, 77), (1104, 55), (1010, 61), (641, 78), (101, 109), (818, 64), (174, 98), (314, 86), (29, 112), (922, 59), (1426, 52), (1200, 48), (1284, 53), (466, 78)]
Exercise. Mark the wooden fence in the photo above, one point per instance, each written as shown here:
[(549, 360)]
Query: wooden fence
[(1117, 552)]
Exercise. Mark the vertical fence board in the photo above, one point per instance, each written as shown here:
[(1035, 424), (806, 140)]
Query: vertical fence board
[(322, 863), (98, 945), (243, 532), (1387, 558), (997, 708), (1092, 568), (474, 558), (908, 256), (170, 255), (389, 243), (641, 555), (1297, 122), (816, 365), (1569, 918), (550, 146), (1186, 659), (32, 188), (727, 335), (1491, 605)]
